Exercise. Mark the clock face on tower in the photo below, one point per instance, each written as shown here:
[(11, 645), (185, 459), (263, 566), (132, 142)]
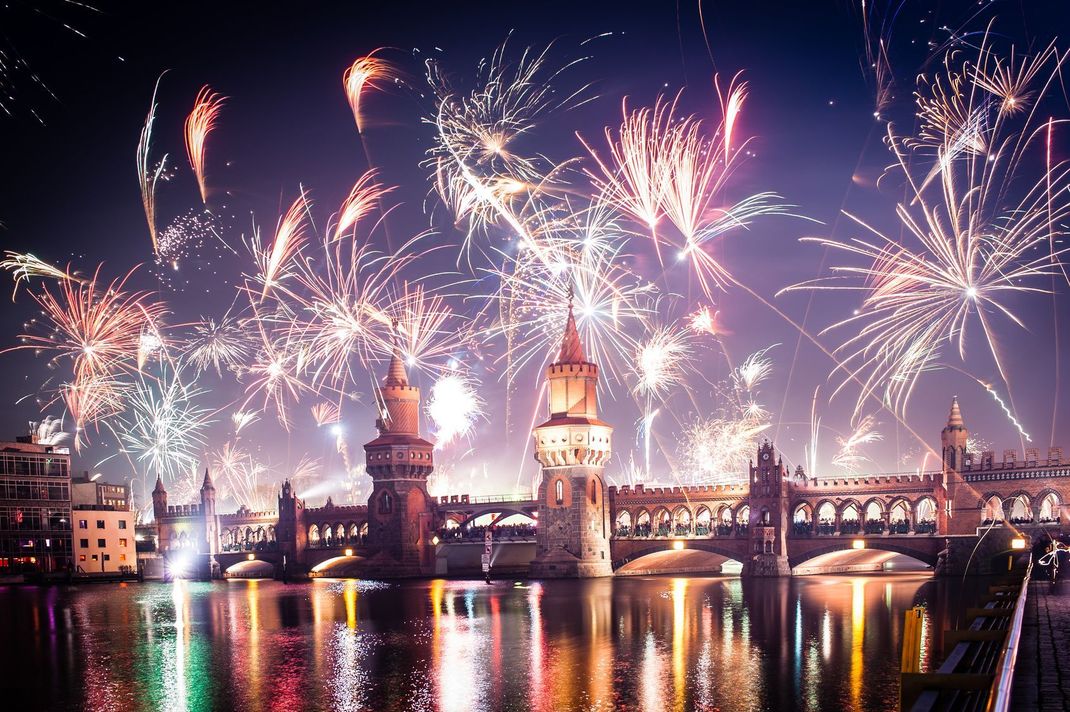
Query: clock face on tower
[(765, 456)]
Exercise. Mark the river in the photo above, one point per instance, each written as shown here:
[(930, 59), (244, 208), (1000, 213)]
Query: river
[(658, 643)]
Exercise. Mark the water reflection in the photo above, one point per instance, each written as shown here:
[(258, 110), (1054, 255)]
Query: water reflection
[(656, 644)]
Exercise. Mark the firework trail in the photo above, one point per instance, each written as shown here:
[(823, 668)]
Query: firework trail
[(664, 165), (849, 456), (970, 247), (290, 236), (200, 122), (365, 195), (24, 267), (325, 414), (147, 175), (363, 74)]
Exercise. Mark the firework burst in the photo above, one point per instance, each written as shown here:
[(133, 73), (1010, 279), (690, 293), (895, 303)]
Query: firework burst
[(201, 122)]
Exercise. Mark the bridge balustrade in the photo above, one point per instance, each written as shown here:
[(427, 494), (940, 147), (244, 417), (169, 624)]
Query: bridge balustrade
[(803, 528), (901, 526), (928, 527), (850, 526), (874, 526)]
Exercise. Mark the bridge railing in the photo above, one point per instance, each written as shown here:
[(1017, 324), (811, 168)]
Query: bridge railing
[(977, 674), (484, 499)]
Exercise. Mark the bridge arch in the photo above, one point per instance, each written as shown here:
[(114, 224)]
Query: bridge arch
[(846, 545), (256, 568), (668, 559), (502, 512), (802, 512)]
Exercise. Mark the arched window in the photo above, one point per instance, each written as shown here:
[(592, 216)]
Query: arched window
[(1049, 508), (559, 492), (873, 512), (594, 491), (765, 517), (993, 510), (1020, 510), (386, 504), (313, 535)]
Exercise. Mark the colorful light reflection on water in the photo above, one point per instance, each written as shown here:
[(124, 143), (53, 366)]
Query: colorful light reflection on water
[(651, 644)]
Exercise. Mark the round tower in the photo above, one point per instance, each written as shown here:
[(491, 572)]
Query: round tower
[(573, 447), (159, 500), (953, 438), (399, 462)]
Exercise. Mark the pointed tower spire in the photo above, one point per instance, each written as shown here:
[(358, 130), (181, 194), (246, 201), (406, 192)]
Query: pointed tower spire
[(395, 375), (159, 486), (571, 348), (207, 481), (954, 418)]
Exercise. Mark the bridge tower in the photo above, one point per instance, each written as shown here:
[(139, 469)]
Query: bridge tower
[(290, 532), (399, 462), (953, 456), (211, 521), (573, 447), (159, 500), (768, 526)]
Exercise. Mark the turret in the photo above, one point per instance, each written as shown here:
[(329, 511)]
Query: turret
[(159, 500), (399, 462), (953, 438), (572, 446), (207, 494)]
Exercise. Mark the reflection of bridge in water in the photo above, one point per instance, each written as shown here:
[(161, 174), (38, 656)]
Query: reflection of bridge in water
[(777, 523)]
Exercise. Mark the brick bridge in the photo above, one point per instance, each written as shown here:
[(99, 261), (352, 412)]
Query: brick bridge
[(969, 513)]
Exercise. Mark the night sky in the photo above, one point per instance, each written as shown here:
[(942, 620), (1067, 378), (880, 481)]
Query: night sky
[(70, 189)]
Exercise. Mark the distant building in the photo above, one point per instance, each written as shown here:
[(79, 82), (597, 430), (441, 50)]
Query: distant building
[(103, 539), (87, 491), (35, 507)]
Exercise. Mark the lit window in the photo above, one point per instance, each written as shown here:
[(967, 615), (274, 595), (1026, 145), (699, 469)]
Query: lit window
[(122, 542), (81, 557), (94, 557), (122, 557), (83, 524), (559, 491)]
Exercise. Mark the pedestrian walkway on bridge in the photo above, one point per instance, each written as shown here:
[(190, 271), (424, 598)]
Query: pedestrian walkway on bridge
[(1042, 675)]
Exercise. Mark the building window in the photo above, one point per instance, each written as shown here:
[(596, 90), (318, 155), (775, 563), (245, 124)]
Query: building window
[(81, 557), (84, 543), (385, 504), (122, 524), (122, 557), (100, 524), (102, 543), (559, 491), (122, 542), (95, 557), (83, 524), (107, 557)]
